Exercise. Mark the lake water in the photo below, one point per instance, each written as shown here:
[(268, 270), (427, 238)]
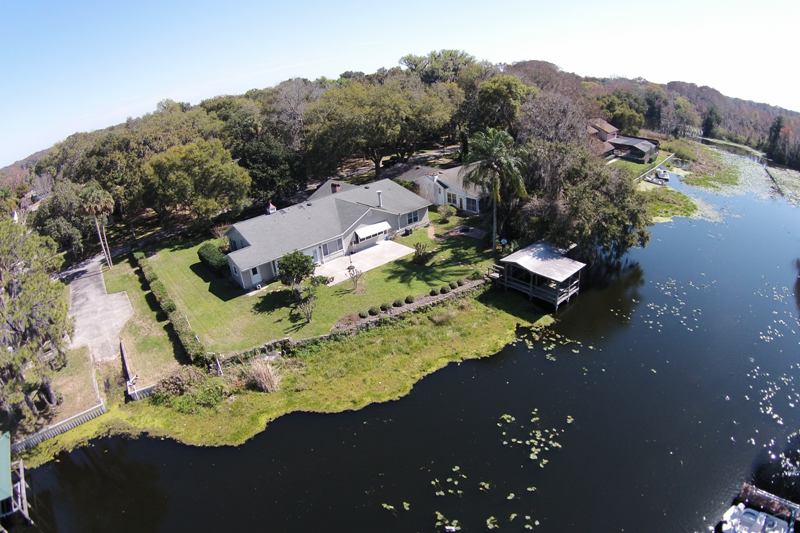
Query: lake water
[(679, 383)]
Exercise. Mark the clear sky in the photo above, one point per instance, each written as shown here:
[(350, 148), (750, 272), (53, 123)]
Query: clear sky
[(87, 64)]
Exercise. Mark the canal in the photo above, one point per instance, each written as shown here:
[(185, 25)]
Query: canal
[(671, 380)]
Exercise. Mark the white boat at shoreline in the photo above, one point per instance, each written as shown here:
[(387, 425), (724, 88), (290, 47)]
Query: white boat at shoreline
[(662, 174)]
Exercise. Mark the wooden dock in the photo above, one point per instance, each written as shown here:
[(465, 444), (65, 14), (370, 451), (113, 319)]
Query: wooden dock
[(755, 498)]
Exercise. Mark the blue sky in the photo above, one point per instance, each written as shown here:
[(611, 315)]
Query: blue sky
[(83, 65)]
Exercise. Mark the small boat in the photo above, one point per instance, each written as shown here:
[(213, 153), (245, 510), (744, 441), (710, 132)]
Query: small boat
[(662, 174), (740, 519), (758, 511), (656, 181)]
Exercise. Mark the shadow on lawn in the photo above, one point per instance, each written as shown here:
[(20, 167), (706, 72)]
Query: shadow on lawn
[(272, 301), (222, 288)]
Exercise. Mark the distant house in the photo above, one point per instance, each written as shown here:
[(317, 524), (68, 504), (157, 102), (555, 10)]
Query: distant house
[(605, 140), (338, 219), (445, 187), (634, 148), (599, 131)]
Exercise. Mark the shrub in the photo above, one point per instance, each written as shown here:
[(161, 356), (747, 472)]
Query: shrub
[(434, 292), (460, 282), (476, 274), (212, 258), (441, 318), (363, 314), (264, 377), (159, 291), (138, 256), (386, 306), (398, 302), (446, 211), (409, 299), (168, 305), (420, 253), (149, 274), (374, 310), (453, 285), (445, 289)]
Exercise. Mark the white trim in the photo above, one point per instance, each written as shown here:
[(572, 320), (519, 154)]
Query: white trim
[(366, 232)]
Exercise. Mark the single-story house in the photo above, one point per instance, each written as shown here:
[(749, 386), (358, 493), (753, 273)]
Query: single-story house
[(445, 187), (338, 219), (634, 148)]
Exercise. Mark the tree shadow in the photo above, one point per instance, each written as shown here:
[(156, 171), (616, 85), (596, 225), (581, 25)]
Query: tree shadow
[(269, 302), (298, 321), (222, 288)]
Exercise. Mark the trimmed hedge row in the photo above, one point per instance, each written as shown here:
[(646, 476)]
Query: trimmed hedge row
[(213, 259), (193, 347)]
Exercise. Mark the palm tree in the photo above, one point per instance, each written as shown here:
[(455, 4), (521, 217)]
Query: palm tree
[(492, 165), (97, 202)]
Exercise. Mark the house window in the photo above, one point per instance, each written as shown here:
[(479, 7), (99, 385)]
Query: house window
[(451, 198), (235, 271), (472, 204), (412, 217), (254, 271), (332, 247)]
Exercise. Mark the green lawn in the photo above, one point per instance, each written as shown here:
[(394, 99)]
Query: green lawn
[(150, 351), (638, 168), (227, 320)]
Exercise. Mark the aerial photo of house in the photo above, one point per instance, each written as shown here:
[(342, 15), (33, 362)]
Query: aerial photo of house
[(337, 220)]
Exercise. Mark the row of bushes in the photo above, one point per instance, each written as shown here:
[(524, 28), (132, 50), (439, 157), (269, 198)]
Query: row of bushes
[(193, 347), (213, 259), (375, 310)]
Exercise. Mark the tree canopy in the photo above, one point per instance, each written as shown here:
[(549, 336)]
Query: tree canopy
[(199, 177), (33, 318)]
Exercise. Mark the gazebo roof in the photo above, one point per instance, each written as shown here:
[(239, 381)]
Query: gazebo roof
[(545, 259)]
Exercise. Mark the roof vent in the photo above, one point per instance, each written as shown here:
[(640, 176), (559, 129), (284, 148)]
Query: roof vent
[(270, 208), (309, 204), (366, 186), (336, 187), (441, 172), (380, 199)]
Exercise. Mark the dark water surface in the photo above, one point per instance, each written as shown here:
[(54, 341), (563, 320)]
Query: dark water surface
[(684, 384)]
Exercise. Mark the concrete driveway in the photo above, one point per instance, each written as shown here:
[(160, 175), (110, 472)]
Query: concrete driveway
[(383, 252), (99, 317)]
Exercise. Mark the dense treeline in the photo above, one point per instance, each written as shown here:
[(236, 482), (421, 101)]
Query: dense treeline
[(201, 162)]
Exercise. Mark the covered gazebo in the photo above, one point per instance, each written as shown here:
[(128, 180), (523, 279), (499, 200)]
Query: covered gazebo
[(541, 271)]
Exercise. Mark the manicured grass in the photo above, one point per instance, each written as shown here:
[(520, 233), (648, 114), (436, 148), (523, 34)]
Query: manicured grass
[(227, 320), (375, 366), (149, 348), (637, 169)]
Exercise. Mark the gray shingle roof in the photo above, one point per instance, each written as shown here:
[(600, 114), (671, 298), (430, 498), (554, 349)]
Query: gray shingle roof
[(640, 144), (325, 189), (450, 177), (317, 220)]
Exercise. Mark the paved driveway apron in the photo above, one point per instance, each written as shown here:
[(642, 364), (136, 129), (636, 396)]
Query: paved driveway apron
[(99, 317)]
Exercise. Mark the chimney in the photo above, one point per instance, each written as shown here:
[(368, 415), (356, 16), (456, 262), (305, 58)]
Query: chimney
[(336, 187), (270, 209), (380, 199)]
